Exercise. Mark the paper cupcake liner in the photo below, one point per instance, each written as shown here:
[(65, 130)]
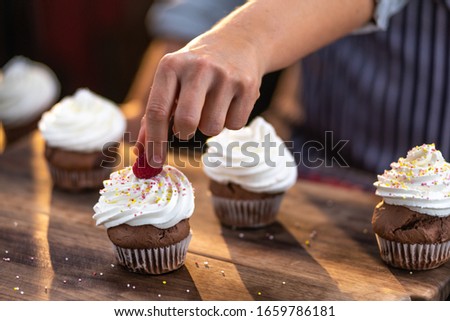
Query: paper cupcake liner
[(75, 180), (155, 260), (247, 213), (413, 256)]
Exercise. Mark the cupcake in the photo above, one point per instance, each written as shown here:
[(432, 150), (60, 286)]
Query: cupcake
[(249, 170), (27, 89), (412, 222), (82, 133), (146, 213)]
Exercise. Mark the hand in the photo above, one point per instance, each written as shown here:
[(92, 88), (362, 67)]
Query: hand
[(211, 83)]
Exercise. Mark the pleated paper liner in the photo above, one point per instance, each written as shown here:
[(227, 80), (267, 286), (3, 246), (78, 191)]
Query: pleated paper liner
[(413, 256), (154, 260), (247, 213), (76, 180)]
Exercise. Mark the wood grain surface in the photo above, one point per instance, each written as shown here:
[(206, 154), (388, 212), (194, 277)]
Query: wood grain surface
[(321, 248)]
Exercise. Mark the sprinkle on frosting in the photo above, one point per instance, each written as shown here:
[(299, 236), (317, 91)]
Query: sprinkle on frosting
[(421, 182), (162, 200)]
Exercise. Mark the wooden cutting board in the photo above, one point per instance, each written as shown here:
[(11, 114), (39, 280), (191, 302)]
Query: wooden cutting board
[(321, 248)]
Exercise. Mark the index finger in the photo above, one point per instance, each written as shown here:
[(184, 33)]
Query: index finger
[(157, 116)]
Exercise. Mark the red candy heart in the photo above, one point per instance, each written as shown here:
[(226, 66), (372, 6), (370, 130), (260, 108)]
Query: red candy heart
[(142, 169)]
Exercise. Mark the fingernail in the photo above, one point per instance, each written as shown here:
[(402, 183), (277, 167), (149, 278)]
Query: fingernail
[(157, 160)]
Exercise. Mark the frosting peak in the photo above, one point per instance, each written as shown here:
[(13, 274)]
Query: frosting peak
[(84, 122), (253, 157), (162, 201), (420, 182), (27, 88)]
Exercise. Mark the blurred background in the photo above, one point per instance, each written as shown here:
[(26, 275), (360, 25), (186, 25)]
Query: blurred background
[(95, 44)]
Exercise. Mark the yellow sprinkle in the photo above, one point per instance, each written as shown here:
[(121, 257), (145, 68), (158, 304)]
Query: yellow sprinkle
[(259, 293), (164, 282), (307, 243)]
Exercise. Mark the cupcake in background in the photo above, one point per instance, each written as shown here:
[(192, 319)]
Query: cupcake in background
[(146, 212), (249, 169), (82, 133), (412, 222), (27, 89)]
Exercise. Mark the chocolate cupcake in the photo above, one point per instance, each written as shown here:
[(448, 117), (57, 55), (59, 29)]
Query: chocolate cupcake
[(249, 170), (82, 134), (412, 223), (27, 89), (147, 218)]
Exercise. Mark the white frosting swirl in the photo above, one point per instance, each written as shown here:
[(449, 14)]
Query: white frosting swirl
[(84, 122), (253, 157), (161, 201), (420, 182), (27, 88)]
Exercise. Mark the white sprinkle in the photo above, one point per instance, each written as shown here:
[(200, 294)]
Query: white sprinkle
[(112, 265), (241, 235), (67, 259), (134, 287), (17, 277), (187, 290), (15, 224), (159, 295), (101, 273), (21, 292), (128, 285), (6, 259), (284, 282), (79, 280), (271, 237), (6, 251)]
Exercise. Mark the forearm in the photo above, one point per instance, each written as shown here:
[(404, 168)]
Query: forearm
[(285, 30)]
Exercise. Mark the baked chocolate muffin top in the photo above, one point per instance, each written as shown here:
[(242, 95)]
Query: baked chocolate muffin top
[(400, 224), (235, 191), (148, 236)]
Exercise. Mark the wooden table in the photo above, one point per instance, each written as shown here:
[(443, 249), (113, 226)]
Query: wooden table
[(321, 248)]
